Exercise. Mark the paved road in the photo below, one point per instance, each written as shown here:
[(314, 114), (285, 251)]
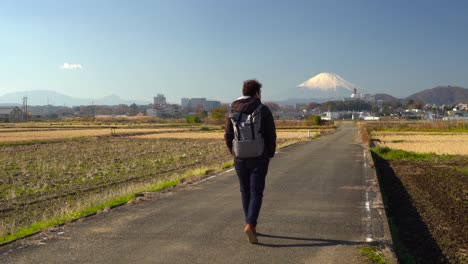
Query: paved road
[(314, 212)]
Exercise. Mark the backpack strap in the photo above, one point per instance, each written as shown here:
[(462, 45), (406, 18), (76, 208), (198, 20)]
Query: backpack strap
[(251, 118), (237, 126), (258, 107), (252, 126)]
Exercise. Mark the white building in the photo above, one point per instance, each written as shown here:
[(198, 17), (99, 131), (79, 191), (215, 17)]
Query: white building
[(461, 107), (165, 110), (199, 104)]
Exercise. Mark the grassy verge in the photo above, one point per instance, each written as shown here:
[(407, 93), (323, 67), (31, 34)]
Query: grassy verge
[(389, 154), (38, 226), (373, 254), (433, 126)]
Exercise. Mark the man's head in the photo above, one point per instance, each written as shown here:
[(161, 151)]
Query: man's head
[(251, 88)]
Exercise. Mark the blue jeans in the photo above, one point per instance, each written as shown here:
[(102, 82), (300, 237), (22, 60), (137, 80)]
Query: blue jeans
[(251, 173)]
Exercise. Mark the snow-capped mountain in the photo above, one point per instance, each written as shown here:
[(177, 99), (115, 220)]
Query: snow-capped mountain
[(327, 82)]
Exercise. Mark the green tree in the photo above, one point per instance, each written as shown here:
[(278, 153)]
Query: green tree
[(202, 113), (313, 120), (192, 119), (410, 103), (133, 109), (219, 114), (418, 105)]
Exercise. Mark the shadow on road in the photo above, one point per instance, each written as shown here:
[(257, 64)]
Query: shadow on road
[(313, 242)]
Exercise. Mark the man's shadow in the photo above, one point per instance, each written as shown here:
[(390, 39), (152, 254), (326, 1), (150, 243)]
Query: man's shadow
[(313, 242)]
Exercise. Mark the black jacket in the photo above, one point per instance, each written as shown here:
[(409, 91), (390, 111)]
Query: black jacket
[(268, 129)]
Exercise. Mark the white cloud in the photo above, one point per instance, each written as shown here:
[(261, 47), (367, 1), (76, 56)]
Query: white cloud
[(68, 66)]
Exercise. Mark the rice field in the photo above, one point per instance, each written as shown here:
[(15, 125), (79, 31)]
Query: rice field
[(37, 180), (451, 143), (220, 135), (31, 135), (43, 134)]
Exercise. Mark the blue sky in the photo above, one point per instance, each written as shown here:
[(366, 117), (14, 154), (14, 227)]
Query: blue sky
[(206, 48)]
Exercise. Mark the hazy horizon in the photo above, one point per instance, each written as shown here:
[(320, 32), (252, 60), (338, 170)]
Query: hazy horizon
[(136, 50)]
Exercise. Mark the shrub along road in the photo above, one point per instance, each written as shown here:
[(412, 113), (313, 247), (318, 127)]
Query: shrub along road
[(315, 211)]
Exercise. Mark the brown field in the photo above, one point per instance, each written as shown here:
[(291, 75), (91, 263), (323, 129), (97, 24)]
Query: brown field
[(453, 143), (76, 133), (37, 181), (426, 201), (41, 134), (425, 194), (220, 135)]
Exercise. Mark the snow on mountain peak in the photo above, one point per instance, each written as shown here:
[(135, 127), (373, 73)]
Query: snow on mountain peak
[(326, 81)]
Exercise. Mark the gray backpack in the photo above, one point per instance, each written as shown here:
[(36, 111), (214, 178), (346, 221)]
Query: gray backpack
[(248, 141)]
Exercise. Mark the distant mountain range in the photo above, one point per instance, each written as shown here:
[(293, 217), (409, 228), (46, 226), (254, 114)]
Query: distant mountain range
[(44, 97), (439, 95)]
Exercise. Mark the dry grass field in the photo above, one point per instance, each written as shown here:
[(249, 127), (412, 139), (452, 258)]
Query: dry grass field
[(38, 181), (32, 135), (451, 143), (42, 134), (220, 135)]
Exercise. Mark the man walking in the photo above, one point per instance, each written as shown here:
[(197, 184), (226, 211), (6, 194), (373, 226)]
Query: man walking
[(250, 136)]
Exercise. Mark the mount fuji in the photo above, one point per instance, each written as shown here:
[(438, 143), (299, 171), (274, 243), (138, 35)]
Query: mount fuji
[(320, 88), (328, 82)]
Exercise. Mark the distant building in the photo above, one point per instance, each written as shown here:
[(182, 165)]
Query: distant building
[(159, 100), (185, 102), (461, 107), (165, 110), (330, 115), (210, 105), (162, 109), (195, 104), (152, 112), (358, 96), (11, 114)]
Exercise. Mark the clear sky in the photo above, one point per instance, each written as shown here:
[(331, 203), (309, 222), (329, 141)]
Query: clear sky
[(206, 48)]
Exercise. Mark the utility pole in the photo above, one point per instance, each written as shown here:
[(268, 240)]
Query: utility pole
[(25, 108)]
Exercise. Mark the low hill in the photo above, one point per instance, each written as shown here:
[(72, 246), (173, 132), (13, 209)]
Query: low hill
[(441, 95), (385, 97)]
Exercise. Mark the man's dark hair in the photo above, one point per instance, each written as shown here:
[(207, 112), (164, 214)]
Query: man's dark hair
[(251, 87)]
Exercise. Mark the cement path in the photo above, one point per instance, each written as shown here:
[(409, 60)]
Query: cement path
[(316, 210)]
